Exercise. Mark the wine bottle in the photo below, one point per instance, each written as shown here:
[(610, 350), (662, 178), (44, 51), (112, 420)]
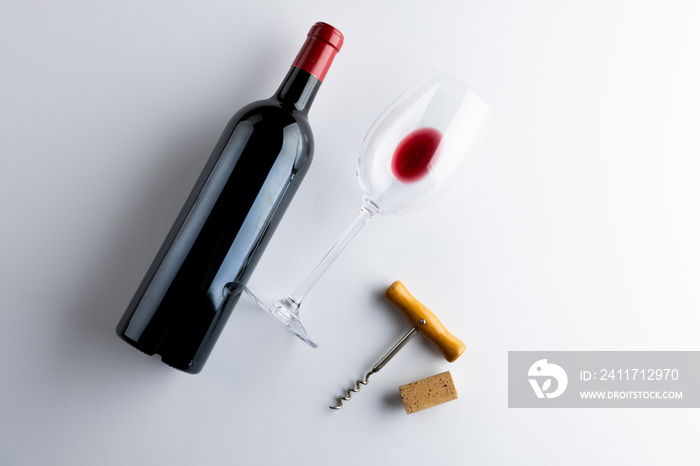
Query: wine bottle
[(199, 273)]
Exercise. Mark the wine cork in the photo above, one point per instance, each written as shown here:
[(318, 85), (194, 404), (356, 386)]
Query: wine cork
[(428, 392)]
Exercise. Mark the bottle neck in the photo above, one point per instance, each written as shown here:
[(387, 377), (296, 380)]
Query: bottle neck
[(298, 89)]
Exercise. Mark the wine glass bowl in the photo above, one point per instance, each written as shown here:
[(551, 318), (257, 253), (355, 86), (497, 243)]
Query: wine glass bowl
[(415, 146), (406, 159)]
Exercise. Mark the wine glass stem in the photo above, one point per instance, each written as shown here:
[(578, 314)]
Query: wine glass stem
[(366, 213)]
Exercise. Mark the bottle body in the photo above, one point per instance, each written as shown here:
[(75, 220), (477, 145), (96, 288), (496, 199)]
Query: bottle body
[(198, 275)]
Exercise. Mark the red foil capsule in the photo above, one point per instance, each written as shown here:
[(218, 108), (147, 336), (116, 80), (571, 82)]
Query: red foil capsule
[(323, 42)]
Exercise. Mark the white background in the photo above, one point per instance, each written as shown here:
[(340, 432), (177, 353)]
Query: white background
[(578, 229)]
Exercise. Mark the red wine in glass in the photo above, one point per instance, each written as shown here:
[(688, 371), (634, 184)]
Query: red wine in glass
[(412, 157)]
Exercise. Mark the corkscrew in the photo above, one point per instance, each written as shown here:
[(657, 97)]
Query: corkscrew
[(422, 321)]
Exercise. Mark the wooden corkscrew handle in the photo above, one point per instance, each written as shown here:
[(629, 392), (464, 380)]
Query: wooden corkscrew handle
[(414, 311)]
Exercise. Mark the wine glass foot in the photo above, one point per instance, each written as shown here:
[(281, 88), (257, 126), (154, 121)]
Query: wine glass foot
[(286, 313)]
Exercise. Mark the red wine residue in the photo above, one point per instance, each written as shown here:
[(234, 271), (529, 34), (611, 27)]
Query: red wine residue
[(413, 154)]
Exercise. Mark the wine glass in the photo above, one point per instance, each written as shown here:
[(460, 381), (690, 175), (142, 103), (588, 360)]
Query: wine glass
[(406, 158)]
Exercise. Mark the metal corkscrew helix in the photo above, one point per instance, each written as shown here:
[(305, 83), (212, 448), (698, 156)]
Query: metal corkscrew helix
[(422, 320)]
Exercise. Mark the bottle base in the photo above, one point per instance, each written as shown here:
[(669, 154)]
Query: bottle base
[(190, 367)]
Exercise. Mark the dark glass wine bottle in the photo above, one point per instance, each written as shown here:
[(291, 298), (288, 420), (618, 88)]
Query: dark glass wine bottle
[(183, 303)]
